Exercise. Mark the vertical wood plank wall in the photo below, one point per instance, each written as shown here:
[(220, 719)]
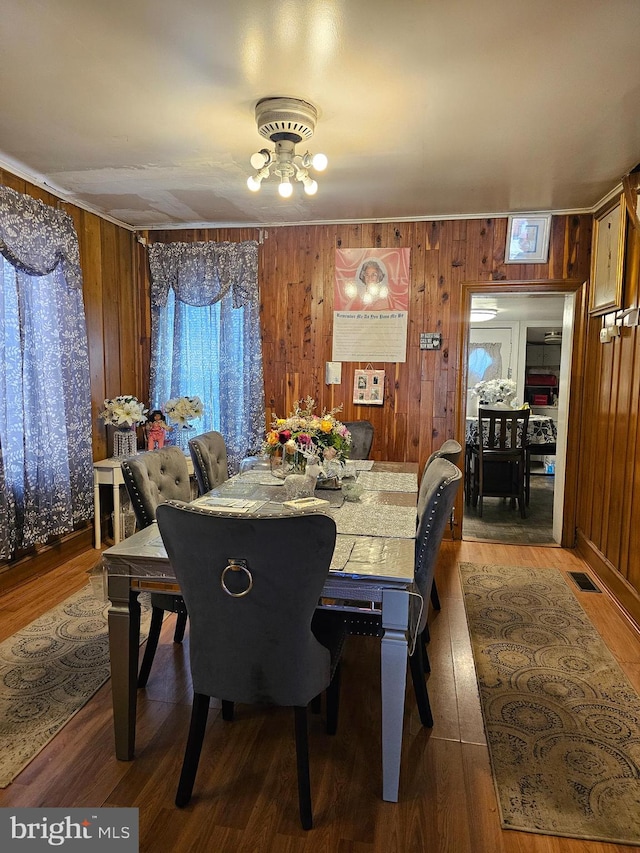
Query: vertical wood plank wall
[(608, 510), (296, 272), (296, 269)]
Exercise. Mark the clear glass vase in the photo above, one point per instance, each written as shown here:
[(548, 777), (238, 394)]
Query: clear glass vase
[(183, 434), (125, 442)]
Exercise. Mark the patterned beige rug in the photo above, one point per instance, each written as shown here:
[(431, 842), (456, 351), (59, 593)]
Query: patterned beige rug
[(48, 671), (561, 718)]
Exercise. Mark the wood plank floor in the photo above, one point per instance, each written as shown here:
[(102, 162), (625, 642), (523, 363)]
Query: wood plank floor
[(245, 797)]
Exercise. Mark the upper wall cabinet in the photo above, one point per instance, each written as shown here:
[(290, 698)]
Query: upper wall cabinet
[(543, 355)]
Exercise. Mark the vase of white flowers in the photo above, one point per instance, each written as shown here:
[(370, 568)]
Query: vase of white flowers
[(495, 392), (181, 411), (124, 414)]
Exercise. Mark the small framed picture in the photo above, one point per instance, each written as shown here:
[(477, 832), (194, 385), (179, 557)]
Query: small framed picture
[(528, 239), (368, 387), (607, 259)]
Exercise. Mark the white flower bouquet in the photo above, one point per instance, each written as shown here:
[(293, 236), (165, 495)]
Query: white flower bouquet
[(124, 411), (183, 410), (495, 390)]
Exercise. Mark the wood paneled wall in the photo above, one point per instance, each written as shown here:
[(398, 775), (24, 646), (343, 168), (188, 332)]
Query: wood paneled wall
[(296, 266), (608, 511), (296, 269)]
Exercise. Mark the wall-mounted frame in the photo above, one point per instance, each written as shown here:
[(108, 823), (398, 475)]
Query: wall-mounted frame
[(607, 258), (528, 239), (368, 387)]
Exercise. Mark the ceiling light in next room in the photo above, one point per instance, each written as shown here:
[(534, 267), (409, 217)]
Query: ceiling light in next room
[(481, 315), (286, 122)]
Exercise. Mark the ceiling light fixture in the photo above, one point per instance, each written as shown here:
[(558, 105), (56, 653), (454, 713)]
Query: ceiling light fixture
[(481, 315), (286, 122), (553, 338)]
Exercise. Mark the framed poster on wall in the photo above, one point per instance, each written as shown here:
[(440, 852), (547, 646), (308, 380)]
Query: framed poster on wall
[(368, 387), (605, 294)]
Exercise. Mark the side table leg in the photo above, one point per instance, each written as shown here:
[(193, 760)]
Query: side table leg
[(97, 533), (116, 513)]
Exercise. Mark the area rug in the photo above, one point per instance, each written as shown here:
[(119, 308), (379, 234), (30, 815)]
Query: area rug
[(48, 672), (561, 718)]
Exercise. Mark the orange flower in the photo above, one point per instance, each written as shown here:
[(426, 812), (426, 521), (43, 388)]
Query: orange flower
[(326, 425), (273, 438)]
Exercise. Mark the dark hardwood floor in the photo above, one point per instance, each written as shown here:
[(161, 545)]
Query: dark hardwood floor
[(502, 523), (245, 795)]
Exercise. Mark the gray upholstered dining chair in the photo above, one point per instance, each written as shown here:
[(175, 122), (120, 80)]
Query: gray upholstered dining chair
[(437, 494), (151, 478), (451, 450), (361, 438), (438, 489), (209, 456), (252, 587)]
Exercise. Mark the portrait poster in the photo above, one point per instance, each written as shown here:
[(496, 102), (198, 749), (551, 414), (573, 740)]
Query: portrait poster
[(368, 387), (371, 305)]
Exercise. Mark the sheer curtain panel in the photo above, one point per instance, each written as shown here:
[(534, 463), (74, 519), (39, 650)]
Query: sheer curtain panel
[(45, 400), (205, 337)]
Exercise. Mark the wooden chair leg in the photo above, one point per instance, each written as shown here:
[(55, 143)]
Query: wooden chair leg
[(333, 702), (435, 598), (302, 761), (157, 615), (181, 624), (426, 663), (199, 713), (416, 666)]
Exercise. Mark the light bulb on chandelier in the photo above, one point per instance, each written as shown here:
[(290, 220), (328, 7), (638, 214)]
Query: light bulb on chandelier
[(286, 122)]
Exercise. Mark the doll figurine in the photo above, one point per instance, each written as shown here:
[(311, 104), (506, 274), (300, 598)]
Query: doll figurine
[(156, 428)]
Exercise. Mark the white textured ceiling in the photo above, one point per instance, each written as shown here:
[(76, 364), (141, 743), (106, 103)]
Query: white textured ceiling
[(144, 111)]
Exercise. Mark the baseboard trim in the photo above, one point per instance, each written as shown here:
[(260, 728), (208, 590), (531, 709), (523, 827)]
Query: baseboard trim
[(47, 558), (625, 595)]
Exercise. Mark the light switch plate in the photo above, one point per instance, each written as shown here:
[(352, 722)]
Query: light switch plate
[(333, 373)]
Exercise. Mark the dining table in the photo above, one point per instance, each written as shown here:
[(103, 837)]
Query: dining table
[(372, 570), (541, 429)]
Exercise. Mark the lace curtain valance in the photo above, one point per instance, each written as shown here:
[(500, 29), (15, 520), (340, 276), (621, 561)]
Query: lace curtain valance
[(36, 237), (202, 273)]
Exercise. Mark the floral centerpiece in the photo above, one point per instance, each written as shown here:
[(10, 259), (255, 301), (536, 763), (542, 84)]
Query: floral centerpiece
[(495, 391), (304, 433), (183, 410), (124, 412)]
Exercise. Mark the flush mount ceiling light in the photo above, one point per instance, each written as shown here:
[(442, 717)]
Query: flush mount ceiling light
[(286, 122), (553, 338), (481, 315)]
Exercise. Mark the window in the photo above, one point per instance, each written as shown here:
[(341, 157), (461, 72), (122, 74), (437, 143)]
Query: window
[(206, 337), (45, 405)]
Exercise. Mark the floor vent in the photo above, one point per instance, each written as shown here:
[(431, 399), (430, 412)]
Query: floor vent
[(584, 582)]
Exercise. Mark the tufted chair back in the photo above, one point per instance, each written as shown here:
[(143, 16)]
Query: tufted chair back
[(154, 477), (451, 450), (209, 456), (438, 488), (361, 438)]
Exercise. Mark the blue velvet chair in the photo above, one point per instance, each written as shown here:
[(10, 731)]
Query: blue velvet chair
[(251, 586), (151, 478)]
